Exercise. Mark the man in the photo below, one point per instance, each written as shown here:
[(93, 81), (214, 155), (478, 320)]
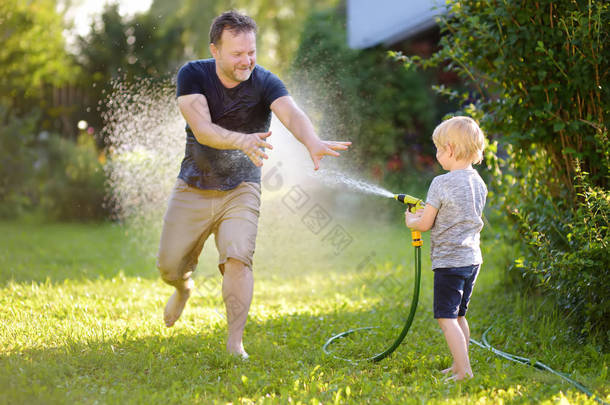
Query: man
[(227, 103)]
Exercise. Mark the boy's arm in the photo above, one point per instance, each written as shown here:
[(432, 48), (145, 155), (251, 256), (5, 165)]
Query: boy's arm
[(297, 122), (421, 220)]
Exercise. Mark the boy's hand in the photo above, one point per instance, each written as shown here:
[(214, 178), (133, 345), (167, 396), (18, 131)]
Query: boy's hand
[(412, 218), (421, 220)]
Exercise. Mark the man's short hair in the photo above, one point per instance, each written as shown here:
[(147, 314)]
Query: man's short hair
[(231, 21)]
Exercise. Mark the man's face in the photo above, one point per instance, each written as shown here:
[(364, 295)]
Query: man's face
[(235, 56)]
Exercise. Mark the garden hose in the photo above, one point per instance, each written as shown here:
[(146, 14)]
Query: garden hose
[(536, 364), (416, 240), (405, 329)]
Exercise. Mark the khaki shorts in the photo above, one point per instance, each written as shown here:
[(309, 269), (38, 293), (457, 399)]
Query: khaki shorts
[(193, 214)]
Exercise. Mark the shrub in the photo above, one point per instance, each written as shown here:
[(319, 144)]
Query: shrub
[(72, 184), (539, 72), (43, 173), (17, 135), (565, 250)]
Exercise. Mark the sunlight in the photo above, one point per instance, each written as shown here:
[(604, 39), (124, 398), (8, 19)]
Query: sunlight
[(81, 14)]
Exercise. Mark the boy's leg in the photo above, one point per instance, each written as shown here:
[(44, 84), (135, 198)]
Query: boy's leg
[(457, 345), (448, 295), (467, 293), (465, 329)]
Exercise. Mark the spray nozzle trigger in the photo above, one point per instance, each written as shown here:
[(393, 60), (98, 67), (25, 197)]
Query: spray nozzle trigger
[(412, 203)]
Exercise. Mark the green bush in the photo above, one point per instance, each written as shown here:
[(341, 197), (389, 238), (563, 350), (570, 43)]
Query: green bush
[(72, 184), (17, 136), (565, 249), (539, 72), (47, 175)]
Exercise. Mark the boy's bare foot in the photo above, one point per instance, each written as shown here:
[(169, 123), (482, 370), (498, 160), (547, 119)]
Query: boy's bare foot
[(175, 304), (458, 377), (447, 370)]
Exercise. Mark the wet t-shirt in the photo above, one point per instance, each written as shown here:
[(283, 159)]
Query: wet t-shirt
[(244, 108)]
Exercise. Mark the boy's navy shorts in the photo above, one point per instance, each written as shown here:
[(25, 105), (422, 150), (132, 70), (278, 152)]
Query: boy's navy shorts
[(452, 290)]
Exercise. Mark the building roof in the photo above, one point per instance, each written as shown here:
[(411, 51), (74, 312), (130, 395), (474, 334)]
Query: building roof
[(373, 22)]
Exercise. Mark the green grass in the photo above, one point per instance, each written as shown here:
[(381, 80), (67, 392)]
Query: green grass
[(81, 322)]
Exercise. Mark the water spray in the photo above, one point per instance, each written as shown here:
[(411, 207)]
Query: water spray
[(413, 205)]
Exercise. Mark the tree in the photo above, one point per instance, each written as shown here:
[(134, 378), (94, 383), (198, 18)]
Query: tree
[(280, 23), (32, 52), (32, 58), (142, 46)]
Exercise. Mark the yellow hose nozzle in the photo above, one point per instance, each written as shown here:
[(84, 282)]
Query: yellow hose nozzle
[(413, 205), (413, 202)]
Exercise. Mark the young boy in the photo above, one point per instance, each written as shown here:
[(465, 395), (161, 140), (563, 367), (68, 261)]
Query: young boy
[(453, 210)]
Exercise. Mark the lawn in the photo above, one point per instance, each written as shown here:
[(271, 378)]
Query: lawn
[(81, 322)]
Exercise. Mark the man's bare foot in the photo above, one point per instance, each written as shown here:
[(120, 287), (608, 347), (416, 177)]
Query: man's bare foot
[(243, 355), (237, 350), (175, 304)]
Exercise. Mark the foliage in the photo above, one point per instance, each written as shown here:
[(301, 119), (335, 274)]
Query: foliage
[(279, 25), (72, 180), (46, 174), (137, 46), (566, 250), (539, 71), (32, 51), (33, 61), (360, 95), (81, 325), (17, 137), (126, 47)]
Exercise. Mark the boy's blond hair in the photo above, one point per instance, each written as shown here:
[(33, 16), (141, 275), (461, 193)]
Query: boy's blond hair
[(465, 137)]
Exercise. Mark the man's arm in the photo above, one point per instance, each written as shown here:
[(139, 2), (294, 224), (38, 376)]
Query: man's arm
[(195, 110), (301, 127)]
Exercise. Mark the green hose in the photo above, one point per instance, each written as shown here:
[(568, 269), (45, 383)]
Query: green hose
[(405, 329), (536, 364)]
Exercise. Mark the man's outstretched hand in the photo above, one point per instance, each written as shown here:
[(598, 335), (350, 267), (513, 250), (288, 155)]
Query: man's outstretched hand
[(325, 148), (251, 145)]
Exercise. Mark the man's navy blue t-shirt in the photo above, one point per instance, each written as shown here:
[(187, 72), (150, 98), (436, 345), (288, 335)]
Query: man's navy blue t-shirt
[(244, 108)]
